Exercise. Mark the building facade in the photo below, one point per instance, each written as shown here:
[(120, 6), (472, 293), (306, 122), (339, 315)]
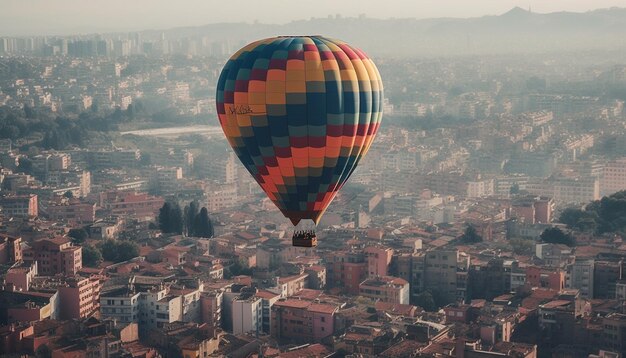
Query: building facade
[(385, 289)]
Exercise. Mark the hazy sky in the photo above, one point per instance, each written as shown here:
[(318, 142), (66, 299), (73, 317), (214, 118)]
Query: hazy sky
[(28, 17)]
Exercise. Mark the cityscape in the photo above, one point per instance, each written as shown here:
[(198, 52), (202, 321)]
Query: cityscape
[(487, 220)]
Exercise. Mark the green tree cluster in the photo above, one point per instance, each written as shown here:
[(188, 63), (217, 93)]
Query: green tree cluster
[(202, 226), (426, 300), (58, 131), (171, 218), (78, 235), (557, 236), (119, 251), (192, 220), (237, 269), (522, 246), (191, 211), (470, 236), (91, 256), (607, 215)]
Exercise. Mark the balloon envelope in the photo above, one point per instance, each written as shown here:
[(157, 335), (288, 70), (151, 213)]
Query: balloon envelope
[(300, 112)]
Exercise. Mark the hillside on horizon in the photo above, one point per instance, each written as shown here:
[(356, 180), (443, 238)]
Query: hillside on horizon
[(515, 31)]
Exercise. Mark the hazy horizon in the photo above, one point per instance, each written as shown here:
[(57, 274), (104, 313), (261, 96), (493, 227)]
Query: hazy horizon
[(67, 17)]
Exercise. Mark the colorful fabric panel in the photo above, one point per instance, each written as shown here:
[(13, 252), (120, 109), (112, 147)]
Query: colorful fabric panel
[(300, 112)]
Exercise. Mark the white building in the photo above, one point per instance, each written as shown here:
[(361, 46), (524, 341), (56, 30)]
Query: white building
[(152, 308), (166, 179), (247, 315), (243, 312), (158, 308), (614, 177), (580, 276), (222, 198), (480, 188), (121, 304)]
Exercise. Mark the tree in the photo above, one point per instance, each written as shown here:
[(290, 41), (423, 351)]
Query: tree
[(78, 235), (127, 250), (29, 112), (146, 159), (171, 218), (25, 165), (514, 189), (191, 211), (164, 217), (522, 246), (117, 115), (56, 139), (237, 269), (426, 301), (176, 219), (607, 215), (557, 236), (130, 112), (43, 351), (431, 229), (138, 106), (91, 256), (202, 224), (69, 194), (109, 250), (119, 251), (11, 131), (471, 235), (579, 219)]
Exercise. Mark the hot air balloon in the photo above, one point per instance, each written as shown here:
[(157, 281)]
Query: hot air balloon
[(300, 112)]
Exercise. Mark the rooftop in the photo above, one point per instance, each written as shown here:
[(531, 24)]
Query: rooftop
[(58, 240), (322, 308), (405, 348), (291, 303), (384, 281), (266, 294), (556, 304), (283, 280), (314, 350)]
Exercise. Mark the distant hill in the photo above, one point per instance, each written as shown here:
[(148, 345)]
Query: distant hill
[(516, 31)]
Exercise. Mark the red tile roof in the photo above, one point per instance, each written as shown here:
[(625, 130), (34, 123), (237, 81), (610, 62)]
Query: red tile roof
[(406, 348), (312, 351), (58, 240), (322, 308), (308, 294), (556, 303), (396, 308), (266, 294), (291, 303), (283, 280)]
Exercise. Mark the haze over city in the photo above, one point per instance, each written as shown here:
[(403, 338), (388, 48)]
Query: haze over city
[(433, 179), (69, 17)]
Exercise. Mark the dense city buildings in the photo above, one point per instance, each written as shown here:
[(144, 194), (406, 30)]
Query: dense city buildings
[(485, 222), (55, 256), (19, 205), (301, 321)]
